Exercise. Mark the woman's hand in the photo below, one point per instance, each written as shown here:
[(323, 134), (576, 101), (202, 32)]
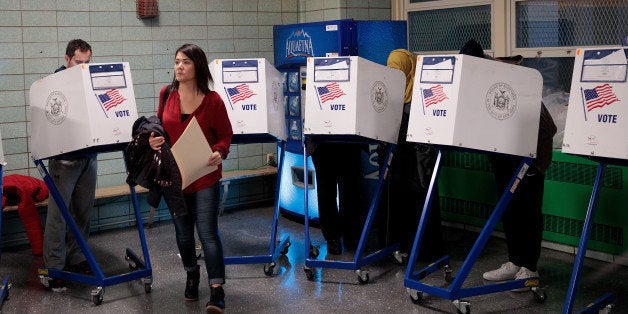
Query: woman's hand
[(215, 159), (155, 142)]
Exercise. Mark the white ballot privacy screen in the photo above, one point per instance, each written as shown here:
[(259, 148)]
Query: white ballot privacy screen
[(597, 115), (86, 107), (468, 102), (353, 96), (252, 90)]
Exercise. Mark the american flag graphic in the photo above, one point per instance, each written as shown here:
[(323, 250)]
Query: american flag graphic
[(110, 99), (329, 92), (240, 92), (433, 95), (599, 96)]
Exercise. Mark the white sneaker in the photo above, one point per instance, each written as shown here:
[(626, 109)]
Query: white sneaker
[(507, 271), (525, 273)]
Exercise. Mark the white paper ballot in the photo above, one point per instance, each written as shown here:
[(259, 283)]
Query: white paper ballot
[(191, 152)]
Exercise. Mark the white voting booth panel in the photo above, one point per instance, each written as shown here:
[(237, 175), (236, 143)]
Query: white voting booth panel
[(353, 96), (597, 115), (252, 90), (85, 106), (476, 103)]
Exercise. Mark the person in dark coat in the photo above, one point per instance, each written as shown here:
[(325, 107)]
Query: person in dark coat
[(523, 218)]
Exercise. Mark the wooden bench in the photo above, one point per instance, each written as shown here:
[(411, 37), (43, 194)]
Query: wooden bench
[(121, 190)]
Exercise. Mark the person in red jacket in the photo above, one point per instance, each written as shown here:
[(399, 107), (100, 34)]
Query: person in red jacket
[(190, 97)]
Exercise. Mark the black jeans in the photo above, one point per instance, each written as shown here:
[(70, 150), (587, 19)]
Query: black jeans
[(338, 168), (523, 218)]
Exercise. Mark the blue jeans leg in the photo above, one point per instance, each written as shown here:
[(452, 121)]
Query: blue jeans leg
[(202, 209)]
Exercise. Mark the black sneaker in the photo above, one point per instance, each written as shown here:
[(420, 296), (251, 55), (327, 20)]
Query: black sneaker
[(80, 268), (334, 247)]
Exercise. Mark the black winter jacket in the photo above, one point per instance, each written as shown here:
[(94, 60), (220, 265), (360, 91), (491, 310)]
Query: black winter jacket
[(155, 170)]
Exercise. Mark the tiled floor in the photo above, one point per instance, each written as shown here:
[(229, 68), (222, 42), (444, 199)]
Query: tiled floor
[(249, 290)]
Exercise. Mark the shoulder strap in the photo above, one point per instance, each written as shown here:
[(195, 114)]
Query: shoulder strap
[(162, 102)]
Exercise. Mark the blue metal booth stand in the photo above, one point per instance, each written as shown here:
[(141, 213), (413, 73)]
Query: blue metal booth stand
[(276, 248), (6, 286), (139, 269), (358, 261), (352, 100), (602, 304), (412, 280)]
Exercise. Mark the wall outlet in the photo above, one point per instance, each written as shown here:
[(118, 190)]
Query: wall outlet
[(269, 159)]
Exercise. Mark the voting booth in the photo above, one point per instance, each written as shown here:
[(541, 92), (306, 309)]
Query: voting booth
[(464, 101), (352, 99), (597, 115), (353, 96), (252, 90), (86, 107), (596, 128)]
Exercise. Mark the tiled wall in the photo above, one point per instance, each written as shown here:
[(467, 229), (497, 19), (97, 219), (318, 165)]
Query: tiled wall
[(324, 10), (35, 33)]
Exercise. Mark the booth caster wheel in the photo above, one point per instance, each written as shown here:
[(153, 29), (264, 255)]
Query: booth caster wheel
[(448, 274), (309, 274), (148, 284), (416, 296), (539, 294), (6, 293), (363, 276), (268, 269), (605, 310), (97, 295), (132, 264), (314, 251), (463, 307), (400, 258), (284, 251)]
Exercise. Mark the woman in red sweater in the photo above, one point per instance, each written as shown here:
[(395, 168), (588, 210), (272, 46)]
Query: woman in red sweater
[(190, 97)]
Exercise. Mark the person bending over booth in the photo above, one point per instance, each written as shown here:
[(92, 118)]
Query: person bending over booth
[(523, 218)]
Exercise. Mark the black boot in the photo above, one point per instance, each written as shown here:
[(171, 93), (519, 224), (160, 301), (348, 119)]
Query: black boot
[(191, 284), (216, 302)]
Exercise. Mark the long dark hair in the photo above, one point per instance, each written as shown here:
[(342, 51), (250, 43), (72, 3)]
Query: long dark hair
[(201, 68)]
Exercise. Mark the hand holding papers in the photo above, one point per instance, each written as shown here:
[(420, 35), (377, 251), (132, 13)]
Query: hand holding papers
[(191, 152)]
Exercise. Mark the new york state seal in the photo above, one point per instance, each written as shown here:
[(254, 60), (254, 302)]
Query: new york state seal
[(379, 96), (501, 101), (56, 107)]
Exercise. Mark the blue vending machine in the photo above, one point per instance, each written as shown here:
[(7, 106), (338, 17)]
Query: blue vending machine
[(294, 43)]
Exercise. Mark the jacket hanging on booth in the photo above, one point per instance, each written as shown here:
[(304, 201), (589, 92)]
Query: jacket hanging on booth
[(25, 191)]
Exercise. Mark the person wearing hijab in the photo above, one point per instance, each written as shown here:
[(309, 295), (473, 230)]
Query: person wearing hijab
[(409, 177)]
